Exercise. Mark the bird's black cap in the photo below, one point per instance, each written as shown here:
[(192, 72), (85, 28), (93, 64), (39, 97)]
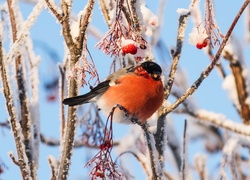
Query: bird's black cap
[(151, 67)]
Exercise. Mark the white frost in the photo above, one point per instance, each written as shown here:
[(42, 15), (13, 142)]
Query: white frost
[(182, 11), (198, 35), (229, 85), (150, 20), (74, 29), (126, 42)]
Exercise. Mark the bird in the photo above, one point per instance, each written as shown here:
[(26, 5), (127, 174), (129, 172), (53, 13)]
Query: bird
[(136, 89)]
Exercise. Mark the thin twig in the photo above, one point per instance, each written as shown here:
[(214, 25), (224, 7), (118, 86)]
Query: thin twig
[(184, 155), (15, 126), (220, 120), (77, 143), (12, 157), (105, 12), (62, 110), (200, 166), (240, 84), (218, 65), (54, 10), (84, 22), (53, 167), (133, 5), (160, 139), (25, 120), (151, 154), (143, 163), (177, 53)]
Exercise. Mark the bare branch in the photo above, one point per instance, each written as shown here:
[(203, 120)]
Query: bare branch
[(54, 10), (25, 120), (134, 16), (62, 84), (105, 12), (84, 22), (53, 166), (177, 52), (20, 39), (143, 163), (160, 139), (184, 153), (200, 166), (220, 120), (157, 171), (12, 157), (236, 66), (15, 126)]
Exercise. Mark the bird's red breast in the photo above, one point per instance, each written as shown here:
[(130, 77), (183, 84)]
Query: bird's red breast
[(137, 92)]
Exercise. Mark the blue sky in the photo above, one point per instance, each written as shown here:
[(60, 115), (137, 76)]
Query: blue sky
[(193, 61)]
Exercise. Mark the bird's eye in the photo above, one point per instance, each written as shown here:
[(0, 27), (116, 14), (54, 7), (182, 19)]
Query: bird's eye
[(156, 76)]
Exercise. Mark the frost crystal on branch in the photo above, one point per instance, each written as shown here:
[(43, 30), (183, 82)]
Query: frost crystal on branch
[(206, 32), (92, 127), (121, 32), (104, 165), (81, 70), (210, 26)]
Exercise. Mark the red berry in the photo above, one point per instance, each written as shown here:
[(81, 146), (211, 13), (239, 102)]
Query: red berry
[(204, 43), (199, 45), (99, 174), (130, 48), (51, 98)]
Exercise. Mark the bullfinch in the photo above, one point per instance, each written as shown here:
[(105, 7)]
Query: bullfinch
[(137, 89)]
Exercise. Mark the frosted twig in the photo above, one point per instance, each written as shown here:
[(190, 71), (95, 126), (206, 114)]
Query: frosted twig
[(241, 86), (184, 153), (208, 70), (84, 21), (140, 160), (248, 24), (15, 126), (77, 143), (127, 14), (64, 20), (25, 29), (157, 171), (22, 93), (174, 144), (12, 157), (61, 91), (218, 65), (53, 166), (105, 11), (34, 100), (220, 120), (136, 25), (160, 139), (168, 176), (230, 154), (177, 52), (54, 10), (200, 166)]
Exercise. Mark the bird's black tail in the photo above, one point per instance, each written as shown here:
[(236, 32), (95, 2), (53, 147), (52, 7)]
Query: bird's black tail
[(77, 100), (85, 98)]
